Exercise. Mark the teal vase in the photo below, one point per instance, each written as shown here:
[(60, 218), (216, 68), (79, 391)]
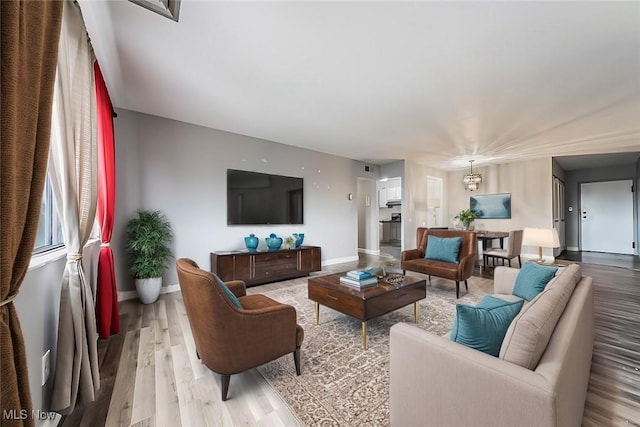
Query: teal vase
[(251, 242), (273, 242)]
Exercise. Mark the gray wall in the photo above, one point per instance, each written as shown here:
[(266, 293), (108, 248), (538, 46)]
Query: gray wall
[(180, 169), (530, 185), (38, 306), (572, 196)]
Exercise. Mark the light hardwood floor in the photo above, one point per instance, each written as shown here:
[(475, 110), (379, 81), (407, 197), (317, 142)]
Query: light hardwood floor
[(150, 375)]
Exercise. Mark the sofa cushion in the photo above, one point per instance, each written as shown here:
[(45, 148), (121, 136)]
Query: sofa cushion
[(532, 279), (230, 295), (443, 248), (507, 297), (482, 327), (530, 332)]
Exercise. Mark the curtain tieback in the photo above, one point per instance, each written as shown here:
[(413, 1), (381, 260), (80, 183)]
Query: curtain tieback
[(74, 257), (9, 299), (105, 244)]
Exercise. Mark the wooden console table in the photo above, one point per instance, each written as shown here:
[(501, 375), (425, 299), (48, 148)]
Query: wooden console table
[(255, 268)]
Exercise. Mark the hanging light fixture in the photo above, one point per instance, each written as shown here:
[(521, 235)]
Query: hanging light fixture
[(472, 180)]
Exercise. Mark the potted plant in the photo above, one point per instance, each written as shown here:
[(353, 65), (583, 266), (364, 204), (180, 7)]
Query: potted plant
[(466, 217), (148, 238)]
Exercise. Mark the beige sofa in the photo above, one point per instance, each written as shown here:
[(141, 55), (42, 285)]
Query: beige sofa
[(437, 382)]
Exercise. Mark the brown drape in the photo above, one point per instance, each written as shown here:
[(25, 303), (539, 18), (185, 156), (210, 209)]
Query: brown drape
[(29, 45)]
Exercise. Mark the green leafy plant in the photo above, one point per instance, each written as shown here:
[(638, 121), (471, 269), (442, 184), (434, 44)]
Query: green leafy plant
[(148, 238), (466, 216)]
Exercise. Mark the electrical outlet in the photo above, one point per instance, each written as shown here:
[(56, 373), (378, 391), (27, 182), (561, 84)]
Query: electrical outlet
[(46, 367)]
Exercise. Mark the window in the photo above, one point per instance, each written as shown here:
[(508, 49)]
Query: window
[(49, 229)]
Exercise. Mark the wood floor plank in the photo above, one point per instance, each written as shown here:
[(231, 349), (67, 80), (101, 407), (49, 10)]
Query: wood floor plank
[(143, 404), (191, 407), (175, 331), (122, 397), (162, 335), (136, 318), (166, 395), (198, 368), (215, 410)]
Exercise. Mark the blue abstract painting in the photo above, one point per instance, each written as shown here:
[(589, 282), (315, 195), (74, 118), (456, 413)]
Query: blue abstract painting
[(491, 206)]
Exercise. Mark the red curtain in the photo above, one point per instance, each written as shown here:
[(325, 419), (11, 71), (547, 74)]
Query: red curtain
[(107, 314)]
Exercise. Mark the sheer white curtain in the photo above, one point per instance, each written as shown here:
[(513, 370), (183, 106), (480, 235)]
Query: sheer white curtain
[(73, 167)]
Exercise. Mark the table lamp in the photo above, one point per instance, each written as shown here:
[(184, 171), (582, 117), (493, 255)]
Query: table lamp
[(542, 238)]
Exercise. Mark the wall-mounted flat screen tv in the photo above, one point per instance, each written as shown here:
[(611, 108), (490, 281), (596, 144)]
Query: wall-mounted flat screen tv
[(491, 206), (255, 198)]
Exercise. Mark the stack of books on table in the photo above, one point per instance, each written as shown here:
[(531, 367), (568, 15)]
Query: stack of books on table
[(359, 279)]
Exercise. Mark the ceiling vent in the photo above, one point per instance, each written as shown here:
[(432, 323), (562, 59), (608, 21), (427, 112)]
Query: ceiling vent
[(167, 8), (368, 168)]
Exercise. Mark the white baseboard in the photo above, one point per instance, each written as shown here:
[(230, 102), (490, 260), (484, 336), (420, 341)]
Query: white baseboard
[(126, 295), (573, 249), (340, 260), (369, 251)]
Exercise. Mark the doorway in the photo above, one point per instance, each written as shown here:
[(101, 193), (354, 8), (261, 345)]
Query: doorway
[(390, 216), (606, 217)]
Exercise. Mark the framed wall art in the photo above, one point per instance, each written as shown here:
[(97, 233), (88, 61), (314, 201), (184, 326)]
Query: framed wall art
[(491, 206)]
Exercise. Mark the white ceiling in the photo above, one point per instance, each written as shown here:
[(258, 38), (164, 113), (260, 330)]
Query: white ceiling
[(435, 82)]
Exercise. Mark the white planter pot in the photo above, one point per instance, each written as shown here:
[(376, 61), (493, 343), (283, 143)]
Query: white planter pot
[(149, 289)]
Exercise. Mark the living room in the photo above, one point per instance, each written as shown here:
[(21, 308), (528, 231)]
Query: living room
[(180, 168)]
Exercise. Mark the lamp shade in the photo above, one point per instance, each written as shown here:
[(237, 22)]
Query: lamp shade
[(434, 203), (541, 237)]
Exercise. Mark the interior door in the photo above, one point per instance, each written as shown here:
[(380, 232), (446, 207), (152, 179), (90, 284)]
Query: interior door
[(606, 217)]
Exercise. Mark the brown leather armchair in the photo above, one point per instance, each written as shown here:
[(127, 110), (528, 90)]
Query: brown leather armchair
[(228, 339), (414, 260)]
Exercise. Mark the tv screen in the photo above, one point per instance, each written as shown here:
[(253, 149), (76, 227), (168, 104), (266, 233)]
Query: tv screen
[(491, 206), (255, 198)]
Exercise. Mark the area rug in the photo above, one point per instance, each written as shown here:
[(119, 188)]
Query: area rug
[(342, 384)]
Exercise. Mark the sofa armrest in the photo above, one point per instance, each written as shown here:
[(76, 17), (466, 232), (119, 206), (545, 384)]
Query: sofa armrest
[(503, 279), (466, 265), (411, 254), (434, 381), (238, 287)]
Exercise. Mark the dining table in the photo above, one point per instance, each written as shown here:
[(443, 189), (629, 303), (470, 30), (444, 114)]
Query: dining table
[(489, 236)]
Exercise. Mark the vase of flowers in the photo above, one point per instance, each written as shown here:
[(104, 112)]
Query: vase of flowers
[(466, 217)]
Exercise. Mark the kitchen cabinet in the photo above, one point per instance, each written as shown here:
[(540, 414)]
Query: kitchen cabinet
[(382, 198), (389, 194), (394, 194)]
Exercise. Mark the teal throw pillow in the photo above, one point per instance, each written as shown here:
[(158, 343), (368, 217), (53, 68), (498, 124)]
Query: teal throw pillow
[(443, 248), (234, 300), (483, 327), (532, 279)]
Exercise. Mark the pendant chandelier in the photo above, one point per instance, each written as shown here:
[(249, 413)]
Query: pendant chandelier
[(472, 180)]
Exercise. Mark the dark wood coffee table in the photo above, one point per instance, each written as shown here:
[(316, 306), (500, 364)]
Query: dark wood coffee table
[(368, 303)]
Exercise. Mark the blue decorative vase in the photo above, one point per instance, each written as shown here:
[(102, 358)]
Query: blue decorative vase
[(273, 242), (299, 238), (251, 241)]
